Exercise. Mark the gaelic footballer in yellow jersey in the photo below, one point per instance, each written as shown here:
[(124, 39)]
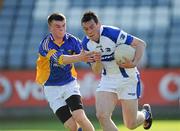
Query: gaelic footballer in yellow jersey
[(50, 68), (55, 71)]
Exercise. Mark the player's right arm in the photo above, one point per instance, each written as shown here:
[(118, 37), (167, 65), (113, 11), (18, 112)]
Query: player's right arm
[(78, 55), (83, 56), (58, 57), (62, 59)]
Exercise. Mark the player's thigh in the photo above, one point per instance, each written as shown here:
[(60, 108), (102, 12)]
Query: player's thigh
[(129, 109), (105, 102), (54, 96), (74, 102)]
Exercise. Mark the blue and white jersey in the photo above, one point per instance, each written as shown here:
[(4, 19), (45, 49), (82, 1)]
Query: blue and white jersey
[(110, 38)]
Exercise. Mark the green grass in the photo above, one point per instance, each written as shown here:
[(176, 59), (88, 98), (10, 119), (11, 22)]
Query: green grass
[(55, 125)]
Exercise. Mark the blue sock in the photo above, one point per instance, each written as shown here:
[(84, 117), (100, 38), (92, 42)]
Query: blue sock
[(147, 115), (80, 129)]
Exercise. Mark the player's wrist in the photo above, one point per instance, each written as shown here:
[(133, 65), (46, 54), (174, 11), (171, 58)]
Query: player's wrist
[(98, 62), (134, 63), (78, 58)]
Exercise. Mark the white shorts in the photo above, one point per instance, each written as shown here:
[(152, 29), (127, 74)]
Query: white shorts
[(125, 88), (56, 95)]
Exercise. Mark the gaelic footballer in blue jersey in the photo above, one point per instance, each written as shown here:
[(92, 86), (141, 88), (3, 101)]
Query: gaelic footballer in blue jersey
[(55, 71), (119, 81)]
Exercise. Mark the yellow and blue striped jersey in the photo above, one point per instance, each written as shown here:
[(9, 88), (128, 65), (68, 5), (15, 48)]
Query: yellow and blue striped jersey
[(50, 72)]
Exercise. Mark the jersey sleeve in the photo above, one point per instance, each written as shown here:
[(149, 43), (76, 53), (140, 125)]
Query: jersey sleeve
[(124, 38), (78, 46), (117, 35), (43, 48)]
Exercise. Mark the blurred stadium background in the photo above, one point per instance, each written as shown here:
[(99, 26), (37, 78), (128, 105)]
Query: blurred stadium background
[(23, 24)]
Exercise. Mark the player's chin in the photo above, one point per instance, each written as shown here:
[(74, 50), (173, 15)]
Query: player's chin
[(93, 37)]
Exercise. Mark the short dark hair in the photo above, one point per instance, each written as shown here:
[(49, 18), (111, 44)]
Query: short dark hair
[(56, 16), (89, 15)]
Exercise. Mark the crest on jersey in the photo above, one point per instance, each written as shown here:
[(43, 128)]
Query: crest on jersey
[(122, 37)]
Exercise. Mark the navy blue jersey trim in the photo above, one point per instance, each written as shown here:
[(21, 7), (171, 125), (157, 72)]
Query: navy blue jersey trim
[(129, 40), (123, 72), (107, 57), (104, 72), (138, 91)]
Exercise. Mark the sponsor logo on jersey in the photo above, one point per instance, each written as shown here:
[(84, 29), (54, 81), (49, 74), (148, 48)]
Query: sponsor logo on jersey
[(122, 37)]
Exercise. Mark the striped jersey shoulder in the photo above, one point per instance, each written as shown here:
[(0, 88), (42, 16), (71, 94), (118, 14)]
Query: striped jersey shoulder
[(44, 44), (117, 35), (72, 38), (110, 27), (85, 42), (111, 32)]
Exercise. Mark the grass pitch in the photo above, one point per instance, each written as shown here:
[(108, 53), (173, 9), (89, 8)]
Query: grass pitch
[(54, 125)]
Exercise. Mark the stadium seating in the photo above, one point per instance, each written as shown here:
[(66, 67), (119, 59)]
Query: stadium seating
[(23, 24)]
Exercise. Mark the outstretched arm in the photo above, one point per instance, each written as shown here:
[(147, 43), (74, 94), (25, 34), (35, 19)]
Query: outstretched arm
[(84, 56)]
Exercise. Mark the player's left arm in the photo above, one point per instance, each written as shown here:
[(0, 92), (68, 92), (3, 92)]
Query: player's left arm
[(136, 43), (139, 46)]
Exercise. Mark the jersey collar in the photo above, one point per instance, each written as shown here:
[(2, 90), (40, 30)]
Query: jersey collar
[(59, 44), (101, 29)]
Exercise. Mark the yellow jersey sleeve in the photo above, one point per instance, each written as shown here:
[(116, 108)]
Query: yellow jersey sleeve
[(42, 69)]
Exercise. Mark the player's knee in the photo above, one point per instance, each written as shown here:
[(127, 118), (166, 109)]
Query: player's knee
[(102, 116), (71, 126), (79, 116)]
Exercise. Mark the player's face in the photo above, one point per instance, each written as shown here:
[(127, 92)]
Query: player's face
[(58, 28), (92, 29)]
